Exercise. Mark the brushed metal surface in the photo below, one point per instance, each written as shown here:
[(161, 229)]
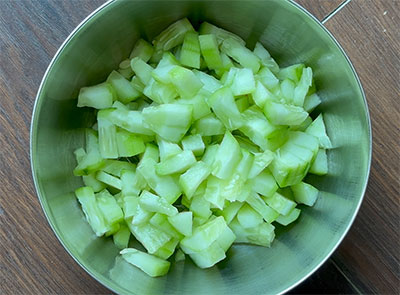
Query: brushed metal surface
[(98, 45)]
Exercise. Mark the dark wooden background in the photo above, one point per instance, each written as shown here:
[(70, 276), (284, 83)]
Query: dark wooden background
[(32, 261)]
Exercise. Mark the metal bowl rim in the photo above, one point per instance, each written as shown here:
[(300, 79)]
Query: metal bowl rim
[(98, 277)]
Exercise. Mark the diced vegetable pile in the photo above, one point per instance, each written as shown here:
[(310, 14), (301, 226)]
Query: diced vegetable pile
[(199, 143)]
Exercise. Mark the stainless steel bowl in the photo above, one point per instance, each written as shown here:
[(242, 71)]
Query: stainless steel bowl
[(292, 35)]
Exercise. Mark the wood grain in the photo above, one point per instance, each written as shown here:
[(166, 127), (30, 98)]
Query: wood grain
[(32, 261), (369, 33), (320, 8)]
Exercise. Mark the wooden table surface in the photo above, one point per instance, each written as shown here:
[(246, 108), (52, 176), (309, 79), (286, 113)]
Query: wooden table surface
[(32, 261)]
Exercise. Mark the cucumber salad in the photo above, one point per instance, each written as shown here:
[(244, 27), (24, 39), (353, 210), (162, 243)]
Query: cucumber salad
[(199, 143)]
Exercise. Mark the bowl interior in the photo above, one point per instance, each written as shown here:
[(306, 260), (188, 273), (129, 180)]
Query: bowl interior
[(292, 36)]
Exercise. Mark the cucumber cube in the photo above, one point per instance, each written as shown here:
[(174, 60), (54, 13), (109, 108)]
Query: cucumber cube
[(289, 218), (227, 157), (305, 193), (320, 164), (150, 264), (170, 121), (99, 96), (91, 210), (182, 222), (154, 203), (178, 163)]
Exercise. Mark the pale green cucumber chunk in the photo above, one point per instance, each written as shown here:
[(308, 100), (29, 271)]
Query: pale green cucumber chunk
[(320, 163), (154, 203), (173, 35), (124, 89), (99, 96), (150, 264), (182, 222), (194, 143), (193, 177), (121, 237), (289, 218), (142, 49), (227, 157), (305, 193), (91, 210)]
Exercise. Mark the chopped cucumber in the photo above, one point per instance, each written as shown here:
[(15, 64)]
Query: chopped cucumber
[(150, 264), (210, 51), (190, 53), (100, 96), (142, 49), (199, 143), (320, 164), (305, 193)]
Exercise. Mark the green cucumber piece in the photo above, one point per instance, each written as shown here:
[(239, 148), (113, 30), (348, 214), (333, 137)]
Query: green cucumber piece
[(121, 237), (193, 177), (182, 222), (267, 78), (289, 218), (317, 128), (109, 179), (241, 54), (107, 135), (311, 102), (161, 222), (203, 236), (264, 184), (170, 121), (91, 210), (167, 250), (320, 164), (227, 157), (167, 149), (142, 49), (210, 51), (173, 35), (248, 217), (129, 144), (208, 125), (108, 206), (154, 203), (301, 89), (281, 204), (292, 72), (231, 210), (150, 264), (265, 58), (243, 82), (131, 121), (178, 163), (305, 193), (258, 204), (124, 89), (193, 143), (256, 127), (262, 235), (99, 96), (199, 104), (141, 69), (190, 52), (223, 104), (165, 186), (115, 167), (130, 206), (220, 34), (284, 114), (186, 83), (261, 161)]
